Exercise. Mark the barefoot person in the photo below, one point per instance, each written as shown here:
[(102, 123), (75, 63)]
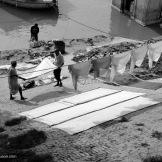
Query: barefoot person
[(13, 81), (59, 62)]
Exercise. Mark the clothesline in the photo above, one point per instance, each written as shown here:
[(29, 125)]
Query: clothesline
[(91, 62)]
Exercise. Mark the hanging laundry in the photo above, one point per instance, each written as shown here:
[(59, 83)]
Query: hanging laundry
[(138, 56), (119, 63), (157, 44), (154, 53), (102, 63), (44, 67), (79, 69)]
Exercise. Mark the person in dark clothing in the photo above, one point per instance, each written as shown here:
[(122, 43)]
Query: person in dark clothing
[(122, 6), (34, 32)]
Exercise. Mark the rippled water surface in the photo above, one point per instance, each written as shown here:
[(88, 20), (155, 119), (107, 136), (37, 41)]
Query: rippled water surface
[(15, 23)]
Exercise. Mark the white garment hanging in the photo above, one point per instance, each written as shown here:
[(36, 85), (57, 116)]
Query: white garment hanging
[(154, 52), (138, 56)]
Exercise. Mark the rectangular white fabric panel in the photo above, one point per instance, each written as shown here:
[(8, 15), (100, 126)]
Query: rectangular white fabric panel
[(82, 109), (89, 95), (93, 119), (68, 102), (46, 109)]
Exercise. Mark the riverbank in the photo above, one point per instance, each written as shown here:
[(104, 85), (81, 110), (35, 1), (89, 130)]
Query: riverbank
[(132, 138)]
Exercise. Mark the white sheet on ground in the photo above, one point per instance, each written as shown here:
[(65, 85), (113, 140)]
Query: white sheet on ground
[(68, 102), (83, 109), (46, 109), (44, 67), (88, 96), (87, 121)]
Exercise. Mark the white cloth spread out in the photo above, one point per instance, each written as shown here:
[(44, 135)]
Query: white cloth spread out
[(138, 56), (44, 67), (90, 120), (154, 52), (119, 63)]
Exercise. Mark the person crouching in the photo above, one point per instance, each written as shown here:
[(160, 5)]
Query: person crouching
[(14, 86)]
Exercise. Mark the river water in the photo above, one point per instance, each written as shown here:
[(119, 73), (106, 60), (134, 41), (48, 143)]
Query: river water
[(15, 23)]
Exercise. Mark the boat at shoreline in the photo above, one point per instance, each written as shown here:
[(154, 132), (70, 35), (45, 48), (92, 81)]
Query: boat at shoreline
[(31, 4)]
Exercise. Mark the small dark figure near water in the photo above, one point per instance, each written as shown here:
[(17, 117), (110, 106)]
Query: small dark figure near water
[(14, 86), (34, 32)]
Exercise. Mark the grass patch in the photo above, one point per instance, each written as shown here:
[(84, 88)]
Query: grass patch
[(15, 121), (27, 140), (157, 135)]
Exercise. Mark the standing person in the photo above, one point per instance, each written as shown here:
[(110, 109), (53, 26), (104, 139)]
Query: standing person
[(59, 62), (34, 32), (122, 6), (14, 86)]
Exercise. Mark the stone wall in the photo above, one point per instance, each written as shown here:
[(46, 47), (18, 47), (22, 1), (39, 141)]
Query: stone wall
[(146, 12), (153, 14), (141, 10)]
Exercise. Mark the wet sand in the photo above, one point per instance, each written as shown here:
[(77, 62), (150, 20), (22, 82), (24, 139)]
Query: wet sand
[(15, 23)]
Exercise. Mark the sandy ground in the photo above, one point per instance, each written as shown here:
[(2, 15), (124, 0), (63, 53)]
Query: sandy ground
[(130, 140)]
